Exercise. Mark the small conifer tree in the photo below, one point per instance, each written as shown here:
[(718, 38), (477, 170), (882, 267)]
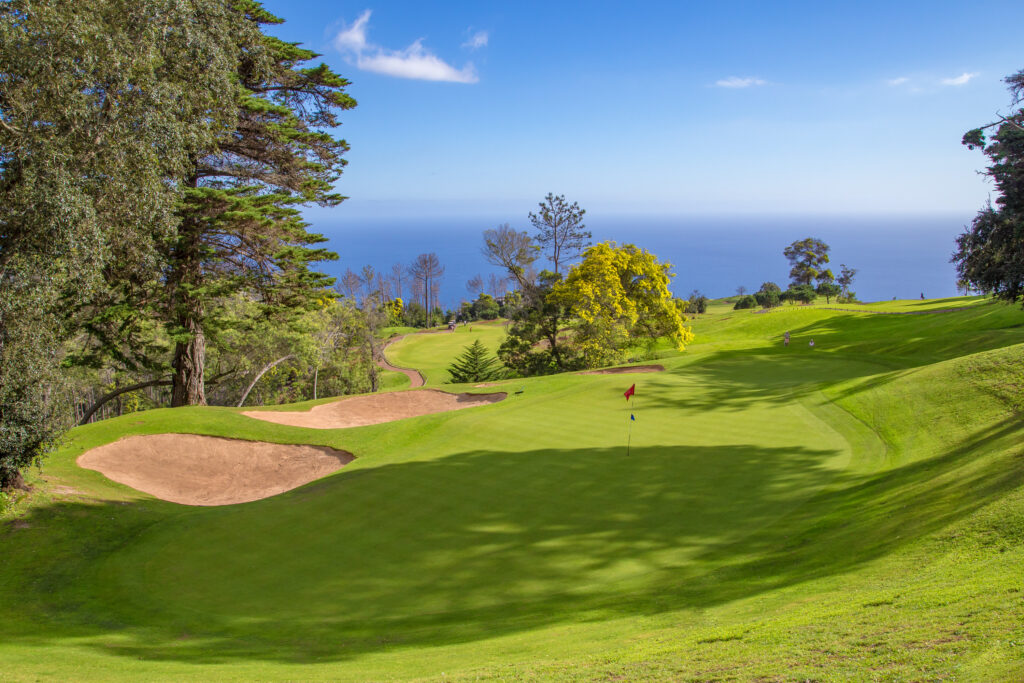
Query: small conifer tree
[(474, 365)]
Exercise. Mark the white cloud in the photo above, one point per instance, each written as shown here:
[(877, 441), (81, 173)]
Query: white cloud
[(962, 79), (478, 40), (737, 82), (898, 81), (414, 62), (353, 38)]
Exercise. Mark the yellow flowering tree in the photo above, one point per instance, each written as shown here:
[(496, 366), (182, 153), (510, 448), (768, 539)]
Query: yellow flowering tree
[(619, 298)]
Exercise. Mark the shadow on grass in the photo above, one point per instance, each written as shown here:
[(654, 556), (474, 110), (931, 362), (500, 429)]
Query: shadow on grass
[(913, 341), (472, 546), (737, 379)]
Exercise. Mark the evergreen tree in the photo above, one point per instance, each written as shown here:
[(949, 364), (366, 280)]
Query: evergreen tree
[(560, 229), (474, 365), (845, 279), (239, 226), (806, 258), (104, 105), (990, 255)]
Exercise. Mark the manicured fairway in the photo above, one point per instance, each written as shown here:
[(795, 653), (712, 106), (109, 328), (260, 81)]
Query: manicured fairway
[(431, 353), (851, 512)]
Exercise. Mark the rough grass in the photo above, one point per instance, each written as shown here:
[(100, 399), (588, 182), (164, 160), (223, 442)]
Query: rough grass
[(855, 512)]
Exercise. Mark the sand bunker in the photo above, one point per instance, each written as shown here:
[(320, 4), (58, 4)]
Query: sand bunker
[(376, 408), (208, 470), (626, 370)]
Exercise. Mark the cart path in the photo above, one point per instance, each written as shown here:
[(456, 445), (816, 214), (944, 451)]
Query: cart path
[(415, 378)]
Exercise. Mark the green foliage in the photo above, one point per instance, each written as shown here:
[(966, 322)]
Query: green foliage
[(475, 364), (845, 280), (746, 301), (697, 303), (804, 294), (33, 404), (534, 345), (484, 308), (560, 229), (769, 296), (103, 107), (829, 290), (240, 230), (990, 254), (806, 258)]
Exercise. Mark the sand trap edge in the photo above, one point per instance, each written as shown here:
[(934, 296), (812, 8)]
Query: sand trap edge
[(379, 408), (202, 470)]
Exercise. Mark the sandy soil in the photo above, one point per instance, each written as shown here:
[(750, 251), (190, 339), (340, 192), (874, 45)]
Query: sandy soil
[(626, 370), (207, 470), (376, 408)]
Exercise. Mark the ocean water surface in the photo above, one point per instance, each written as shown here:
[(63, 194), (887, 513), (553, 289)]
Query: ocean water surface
[(895, 256)]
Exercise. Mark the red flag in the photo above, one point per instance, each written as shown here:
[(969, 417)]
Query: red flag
[(630, 392)]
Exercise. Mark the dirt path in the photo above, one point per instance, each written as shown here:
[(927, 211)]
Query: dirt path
[(415, 378)]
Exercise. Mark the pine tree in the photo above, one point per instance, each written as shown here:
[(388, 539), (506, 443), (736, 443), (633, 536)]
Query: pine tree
[(474, 365), (560, 229), (239, 226), (990, 254)]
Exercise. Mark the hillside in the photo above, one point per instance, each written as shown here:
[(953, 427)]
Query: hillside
[(853, 511)]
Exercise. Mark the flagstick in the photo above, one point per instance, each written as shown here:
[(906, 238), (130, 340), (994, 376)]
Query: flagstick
[(629, 438)]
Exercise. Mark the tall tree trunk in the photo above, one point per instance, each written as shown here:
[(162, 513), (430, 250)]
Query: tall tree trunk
[(316, 375), (189, 361), (190, 354)]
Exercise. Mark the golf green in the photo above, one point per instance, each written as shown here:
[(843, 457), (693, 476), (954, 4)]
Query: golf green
[(851, 511)]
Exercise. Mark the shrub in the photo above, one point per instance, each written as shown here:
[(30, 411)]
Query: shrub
[(746, 301)]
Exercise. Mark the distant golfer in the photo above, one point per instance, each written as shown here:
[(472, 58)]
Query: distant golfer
[(811, 343), (786, 339)]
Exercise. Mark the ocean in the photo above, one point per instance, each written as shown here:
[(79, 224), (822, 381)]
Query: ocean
[(895, 256)]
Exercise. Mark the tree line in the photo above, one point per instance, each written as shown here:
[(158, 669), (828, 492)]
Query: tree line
[(809, 278), (154, 155), (614, 302)]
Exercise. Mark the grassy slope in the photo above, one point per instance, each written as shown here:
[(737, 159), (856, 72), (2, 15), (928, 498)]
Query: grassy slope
[(855, 511), (432, 353)]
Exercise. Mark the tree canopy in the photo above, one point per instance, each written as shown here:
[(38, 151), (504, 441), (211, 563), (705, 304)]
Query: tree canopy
[(619, 297), (561, 233), (239, 228), (806, 258), (100, 101), (990, 254)]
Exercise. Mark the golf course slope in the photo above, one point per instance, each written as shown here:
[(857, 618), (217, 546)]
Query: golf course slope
[(851, 511)]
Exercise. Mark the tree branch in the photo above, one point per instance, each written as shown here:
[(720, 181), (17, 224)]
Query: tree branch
[(259, 374), (117, 392)]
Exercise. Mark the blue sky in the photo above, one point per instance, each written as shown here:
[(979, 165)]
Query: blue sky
[(664, 107)]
